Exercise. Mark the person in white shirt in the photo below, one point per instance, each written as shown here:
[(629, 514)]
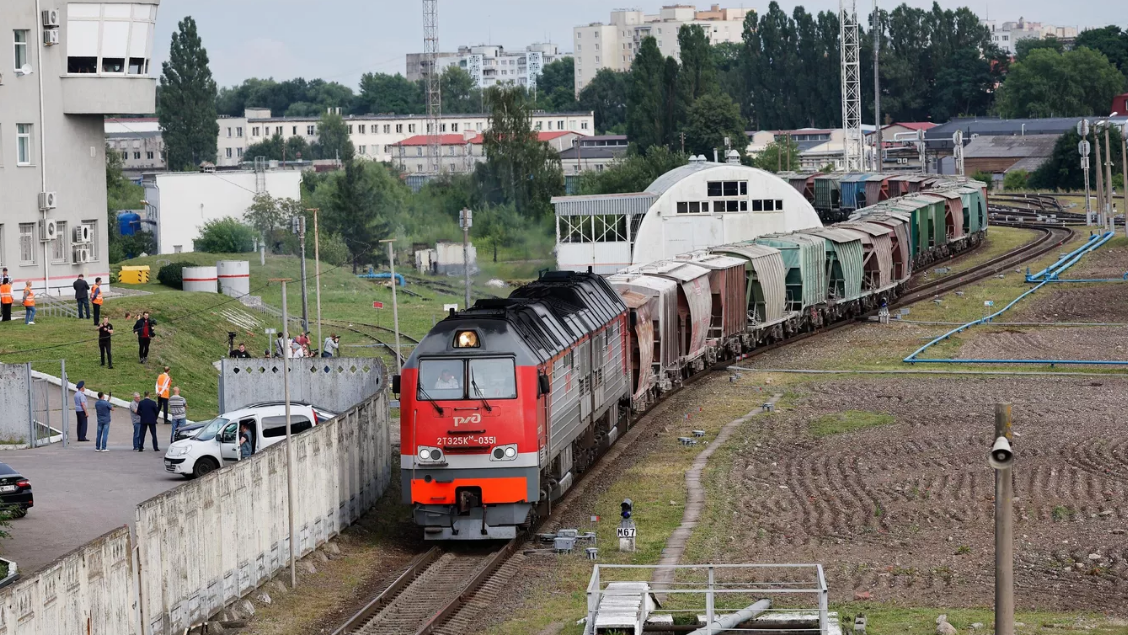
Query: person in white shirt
[(447, 381)]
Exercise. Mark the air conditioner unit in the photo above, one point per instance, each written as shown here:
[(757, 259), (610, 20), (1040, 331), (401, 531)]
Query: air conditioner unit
[(48, 200), (50, 37), (51, 19), (81, 254), (81, 234), (48, 230)]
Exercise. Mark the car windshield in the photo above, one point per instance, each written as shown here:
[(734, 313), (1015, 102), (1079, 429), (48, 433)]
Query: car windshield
[(208, 429)]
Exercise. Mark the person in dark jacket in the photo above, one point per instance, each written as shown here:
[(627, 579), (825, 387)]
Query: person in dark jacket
[(147, 410), (144, 328), (82, 297)]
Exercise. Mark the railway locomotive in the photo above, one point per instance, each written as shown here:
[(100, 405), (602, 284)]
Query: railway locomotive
[(504, 404)]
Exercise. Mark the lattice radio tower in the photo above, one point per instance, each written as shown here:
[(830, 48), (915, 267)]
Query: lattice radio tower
[(854, 154), (434, 91)]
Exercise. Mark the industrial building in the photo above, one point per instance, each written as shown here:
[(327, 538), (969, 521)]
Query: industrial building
[(74, 63), (179, 203), (696, 206)]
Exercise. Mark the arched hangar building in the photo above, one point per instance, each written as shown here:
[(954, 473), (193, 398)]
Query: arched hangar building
[(696, 206)]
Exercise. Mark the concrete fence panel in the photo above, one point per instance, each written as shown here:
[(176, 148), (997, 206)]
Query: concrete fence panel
[(335, 383), (90, 590), (211, 541), (15, 394)]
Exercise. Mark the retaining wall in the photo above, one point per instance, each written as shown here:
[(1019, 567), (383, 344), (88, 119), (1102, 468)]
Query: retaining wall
[(90, 590), (210, 541), (335, 383)]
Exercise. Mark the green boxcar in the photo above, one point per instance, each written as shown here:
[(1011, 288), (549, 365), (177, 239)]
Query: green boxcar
[(844, 267), (805, 259)]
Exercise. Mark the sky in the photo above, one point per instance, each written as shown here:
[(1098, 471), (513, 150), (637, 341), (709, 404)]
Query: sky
[(339, 40)]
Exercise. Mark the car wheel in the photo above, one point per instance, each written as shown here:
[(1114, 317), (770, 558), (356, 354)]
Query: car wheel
[(204, 466)]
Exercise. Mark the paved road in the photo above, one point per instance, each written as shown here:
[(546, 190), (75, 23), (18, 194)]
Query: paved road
[(81, 494)]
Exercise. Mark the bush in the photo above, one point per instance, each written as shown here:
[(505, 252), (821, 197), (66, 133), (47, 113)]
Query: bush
[(172, 275), (225, 236), (1016, 180)]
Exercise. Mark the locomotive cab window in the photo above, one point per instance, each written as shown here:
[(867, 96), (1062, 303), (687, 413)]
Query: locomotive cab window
[(458, 379)]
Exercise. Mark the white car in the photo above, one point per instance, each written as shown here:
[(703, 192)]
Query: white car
[(217, 441)]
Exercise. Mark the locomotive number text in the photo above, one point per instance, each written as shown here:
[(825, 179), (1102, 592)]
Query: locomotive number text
[(483, 441)]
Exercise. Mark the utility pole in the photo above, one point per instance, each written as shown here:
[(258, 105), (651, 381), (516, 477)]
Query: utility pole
[(466, 221), (877, 144), (300, 229), (395, 304), (291, 496), (1083, 150), (1002, 456), (317, 274), (1108, 179), (1124, 176)]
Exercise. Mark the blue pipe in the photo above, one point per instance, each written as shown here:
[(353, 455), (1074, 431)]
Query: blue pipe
[(1051, 362), (383, 276), (1088, 249), (1070, 259), (1063, 258)]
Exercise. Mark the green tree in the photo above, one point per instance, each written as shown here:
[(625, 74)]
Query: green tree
[(460, 94), (781, 155), (271, 149), (333, 139), (646, 112), (225, 236), (186, 108), (1081, 82), (634, 173), (556, 86), (606, 97), (1015, 180), (1062, 171), (698, 74), (358, 203), (291, 97), (1110, 41), (270, 217), (497, 226), (519, 168), (386, 94), (123, 194), (1023, 47), (710, 121)]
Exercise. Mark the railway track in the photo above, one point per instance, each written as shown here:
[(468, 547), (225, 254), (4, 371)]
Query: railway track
[(429, 596)]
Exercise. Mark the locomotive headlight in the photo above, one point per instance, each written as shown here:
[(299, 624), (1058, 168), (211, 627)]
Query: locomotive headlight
[(504, 453), (430, 455)]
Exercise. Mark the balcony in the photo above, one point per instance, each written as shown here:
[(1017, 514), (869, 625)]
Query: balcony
[(108, 95)]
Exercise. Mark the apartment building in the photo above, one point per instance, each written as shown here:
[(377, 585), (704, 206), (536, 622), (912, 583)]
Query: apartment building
[(460, 153), (1006, 35), (139, 143), (374, 136), (74, 63), (491, 65), (615, 44)]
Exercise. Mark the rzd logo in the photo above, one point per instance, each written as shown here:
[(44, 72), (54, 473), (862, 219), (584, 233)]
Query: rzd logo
[(474, 418)]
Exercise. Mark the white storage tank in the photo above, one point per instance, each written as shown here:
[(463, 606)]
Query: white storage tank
[(200, 279), (234, 277)]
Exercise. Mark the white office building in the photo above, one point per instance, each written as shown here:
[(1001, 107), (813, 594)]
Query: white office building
[(1006, 35), (614, 45)]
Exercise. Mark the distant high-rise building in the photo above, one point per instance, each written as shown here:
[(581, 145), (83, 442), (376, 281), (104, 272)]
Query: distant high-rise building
[(614, 45), (490, 64), (1006, 35)]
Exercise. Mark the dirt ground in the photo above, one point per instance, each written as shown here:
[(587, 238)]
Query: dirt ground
[(905, 511)]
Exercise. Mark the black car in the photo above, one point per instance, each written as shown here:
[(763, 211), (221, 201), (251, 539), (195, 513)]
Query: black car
[(15, 491)]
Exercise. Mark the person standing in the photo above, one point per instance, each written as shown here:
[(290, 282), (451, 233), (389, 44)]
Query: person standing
[(80, 410), (162, 388), (148, 412), (105, 333), (143, 327), (280, 347), (29, 304), (178, 410), (135, 417), (246, 449), (103, 408), (332, 345), (5, 299), (82, 297), (241, 352), (97, 299)]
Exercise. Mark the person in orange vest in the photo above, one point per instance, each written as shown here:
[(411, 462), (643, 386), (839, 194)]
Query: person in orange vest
[(5, 300), (29, 304), (164, 384), (96, 299)]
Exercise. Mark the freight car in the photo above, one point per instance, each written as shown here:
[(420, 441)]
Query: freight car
[(505, 403)]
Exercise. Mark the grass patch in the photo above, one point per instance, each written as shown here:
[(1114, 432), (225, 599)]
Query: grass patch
[(849, 421), (889, 620)]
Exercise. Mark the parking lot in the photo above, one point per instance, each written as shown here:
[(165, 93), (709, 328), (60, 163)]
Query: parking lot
[(80, 494)]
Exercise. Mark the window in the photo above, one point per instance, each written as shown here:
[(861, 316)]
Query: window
[(93, 246), (779, 205), (456, 379), (757, 205), (538, 125), (255, 131), (239, 131), (125, 155), (411, 128), (731, 188), (362, 150), (744, 188), (726, 188), (228, 152), (228, 132), (149, 155), (454, 127), (388, 127), (295, 130), (311, 130), (275, 427), (444, 127), (362, 129), (27, 243), (21, 48), (399, 128), (59, 247), (583, 125), (478, 127), (387, 149), (23, 144), (350, 129), (136, 156), (560, 125), (239, 152), (109, 38), (278, 130), (769, 205)]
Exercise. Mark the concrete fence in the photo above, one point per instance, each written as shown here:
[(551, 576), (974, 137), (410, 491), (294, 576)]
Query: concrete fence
[(336, 383), (91, 590), (208, 542), (16, 425)]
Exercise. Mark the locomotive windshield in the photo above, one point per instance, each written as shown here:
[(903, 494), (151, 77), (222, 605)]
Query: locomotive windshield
[(454, 379)]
